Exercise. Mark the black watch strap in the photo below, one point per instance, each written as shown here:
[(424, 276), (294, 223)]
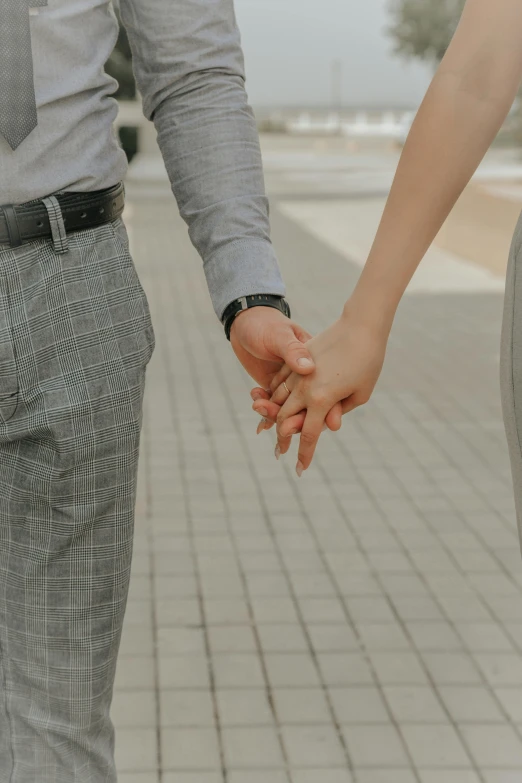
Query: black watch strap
[(253, 300)]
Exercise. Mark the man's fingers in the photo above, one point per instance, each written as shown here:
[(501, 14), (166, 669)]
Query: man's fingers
[(334, 418), (312, 428), (284, 373), (260, 394), (350, 403), (267, 409)]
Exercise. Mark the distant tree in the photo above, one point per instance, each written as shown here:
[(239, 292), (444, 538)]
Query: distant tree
[(423, 29)]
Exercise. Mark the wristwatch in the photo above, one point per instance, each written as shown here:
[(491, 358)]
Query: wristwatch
[(253, 300)]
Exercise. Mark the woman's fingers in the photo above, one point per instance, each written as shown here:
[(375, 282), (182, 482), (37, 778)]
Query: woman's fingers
[(312, 428), (291, 407), (290, 427)]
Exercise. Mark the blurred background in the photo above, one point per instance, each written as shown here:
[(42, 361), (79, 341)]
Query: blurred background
[(336, 79), (362, 624)]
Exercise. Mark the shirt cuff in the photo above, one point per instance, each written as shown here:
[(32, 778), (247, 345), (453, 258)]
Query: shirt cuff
[(241, 268)]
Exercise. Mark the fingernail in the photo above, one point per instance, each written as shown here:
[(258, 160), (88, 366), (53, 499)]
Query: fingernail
[(299, 469), (261, 426), (256, 396), (262, 411), (303, 362), (277, 451)]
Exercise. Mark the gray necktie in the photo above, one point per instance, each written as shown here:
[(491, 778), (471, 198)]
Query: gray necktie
[(17, 99)]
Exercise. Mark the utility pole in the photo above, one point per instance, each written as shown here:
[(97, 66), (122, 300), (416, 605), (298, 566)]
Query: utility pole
[(337, 88)]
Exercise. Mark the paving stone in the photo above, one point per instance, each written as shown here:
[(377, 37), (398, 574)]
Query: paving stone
[(500, 669), (135, 673), (398, 668), (494, 746), (343, 669), (138, 777), (254, 776), (451, 668), (131, 709), (310, 746), (324, 775), (338, 637), (502, 776), (385, 776), (183, 671), (135, 749), (448, 776), (414, 704), (252, 747), (192, 777), (295, 670), (186, 708), (302, 706), (239, 670), (371, 746), (282, 638), (245, 707), (231, 639), (435, 746), (407, 514), (358, 705), (470, 704), (383, 637), (190, 749), (511, 700)]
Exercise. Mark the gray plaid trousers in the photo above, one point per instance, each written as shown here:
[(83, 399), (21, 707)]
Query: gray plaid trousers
[(75, 338)]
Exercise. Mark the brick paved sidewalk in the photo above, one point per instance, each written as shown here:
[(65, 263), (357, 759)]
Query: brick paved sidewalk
[(360, 625)]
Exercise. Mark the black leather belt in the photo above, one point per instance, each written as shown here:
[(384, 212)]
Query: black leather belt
[(21, 223)]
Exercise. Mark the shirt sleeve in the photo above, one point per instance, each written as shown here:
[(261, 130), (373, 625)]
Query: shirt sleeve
[(189, 68)]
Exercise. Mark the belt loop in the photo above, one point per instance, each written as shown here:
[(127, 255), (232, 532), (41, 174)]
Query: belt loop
[(13, 229), (58, 231)]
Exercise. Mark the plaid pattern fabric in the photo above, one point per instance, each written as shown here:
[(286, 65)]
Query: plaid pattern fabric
[(58, 231), (75, 338)]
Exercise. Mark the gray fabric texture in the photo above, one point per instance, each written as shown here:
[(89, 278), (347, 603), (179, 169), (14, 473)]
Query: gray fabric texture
[(189, 68), (75, 340), (17, 99), (511, 366)]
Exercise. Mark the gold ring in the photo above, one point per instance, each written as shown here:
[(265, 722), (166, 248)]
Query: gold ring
[(286, 387)]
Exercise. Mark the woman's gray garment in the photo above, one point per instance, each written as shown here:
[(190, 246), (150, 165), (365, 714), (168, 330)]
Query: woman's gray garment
[(511, 365), (75, 339)]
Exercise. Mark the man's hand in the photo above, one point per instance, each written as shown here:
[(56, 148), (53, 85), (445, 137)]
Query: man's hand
[(349, 356), (264, 339)]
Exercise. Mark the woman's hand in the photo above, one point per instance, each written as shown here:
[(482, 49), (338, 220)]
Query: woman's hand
[(349, 356)]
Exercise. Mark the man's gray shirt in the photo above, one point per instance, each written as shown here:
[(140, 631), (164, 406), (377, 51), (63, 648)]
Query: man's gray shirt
[(189, 69)]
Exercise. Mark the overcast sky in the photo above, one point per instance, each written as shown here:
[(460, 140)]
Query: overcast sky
[(289, 46)]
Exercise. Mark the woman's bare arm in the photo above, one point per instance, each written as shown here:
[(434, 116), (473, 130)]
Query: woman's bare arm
[(462, 112)]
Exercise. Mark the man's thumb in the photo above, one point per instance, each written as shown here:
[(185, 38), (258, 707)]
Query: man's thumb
[(295, 354)]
